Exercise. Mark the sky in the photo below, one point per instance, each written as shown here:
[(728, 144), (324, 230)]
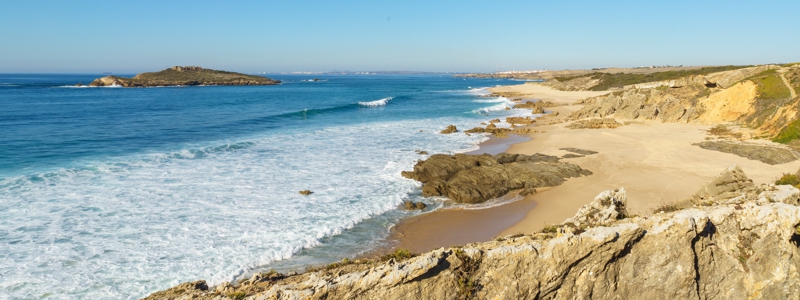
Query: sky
[(443, 36)]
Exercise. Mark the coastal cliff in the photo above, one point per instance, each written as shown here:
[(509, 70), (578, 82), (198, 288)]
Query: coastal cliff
[(762, 99), (191, 75), (735, 240)]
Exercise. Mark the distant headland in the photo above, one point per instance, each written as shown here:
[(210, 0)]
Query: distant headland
[(189, 75)]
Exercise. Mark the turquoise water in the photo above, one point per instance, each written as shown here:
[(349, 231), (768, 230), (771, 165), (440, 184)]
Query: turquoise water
[(117, 193)]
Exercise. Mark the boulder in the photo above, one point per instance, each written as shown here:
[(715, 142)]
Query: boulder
[(450, 129), (477, 178)]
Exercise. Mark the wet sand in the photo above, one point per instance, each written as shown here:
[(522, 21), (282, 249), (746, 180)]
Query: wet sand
[(655, 162)]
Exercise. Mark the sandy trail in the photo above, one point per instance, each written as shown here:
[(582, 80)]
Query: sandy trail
[(789, 86)]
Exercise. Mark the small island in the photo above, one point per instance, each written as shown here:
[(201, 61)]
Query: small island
[(190, 75)]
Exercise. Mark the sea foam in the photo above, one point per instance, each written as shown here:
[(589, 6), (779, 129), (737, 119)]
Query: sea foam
[(379, 102), (210, 212)]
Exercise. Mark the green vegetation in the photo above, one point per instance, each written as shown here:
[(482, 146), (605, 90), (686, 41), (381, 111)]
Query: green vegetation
[(398, 254), (770, 86), (465, 274), (618, 80), (550, 229), (789, 133), (345, 261), (237, 295), (788, 179)]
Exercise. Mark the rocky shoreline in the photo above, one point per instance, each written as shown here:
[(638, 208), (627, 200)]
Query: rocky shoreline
[(740, 241), (184, 76), (730, 239)]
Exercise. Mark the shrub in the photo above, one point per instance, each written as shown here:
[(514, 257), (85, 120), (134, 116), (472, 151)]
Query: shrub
[(550, 229), (237, 295), (398, 254), (788, 179)]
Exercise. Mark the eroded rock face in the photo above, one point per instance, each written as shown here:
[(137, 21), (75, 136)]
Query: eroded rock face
[(477, 178)]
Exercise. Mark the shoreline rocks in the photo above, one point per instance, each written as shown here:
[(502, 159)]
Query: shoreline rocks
[(477, 178), (746, 247)]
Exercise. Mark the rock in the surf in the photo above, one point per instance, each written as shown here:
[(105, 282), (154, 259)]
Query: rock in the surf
[(450, 129)]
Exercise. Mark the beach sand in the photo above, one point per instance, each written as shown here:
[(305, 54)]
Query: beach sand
[(655, 162)]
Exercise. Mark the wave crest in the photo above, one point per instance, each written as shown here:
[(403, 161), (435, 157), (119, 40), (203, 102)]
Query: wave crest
[(379, 102)]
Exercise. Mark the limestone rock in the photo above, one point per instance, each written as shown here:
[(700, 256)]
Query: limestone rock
[(607, 207), (729, 185)]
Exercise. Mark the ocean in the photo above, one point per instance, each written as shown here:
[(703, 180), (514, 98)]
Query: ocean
[(115, 193)]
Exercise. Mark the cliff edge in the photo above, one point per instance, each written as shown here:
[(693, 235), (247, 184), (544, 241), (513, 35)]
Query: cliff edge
[(184, 76), (734, 240)]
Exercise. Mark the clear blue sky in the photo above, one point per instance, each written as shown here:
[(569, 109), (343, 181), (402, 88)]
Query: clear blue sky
[(275, 36)]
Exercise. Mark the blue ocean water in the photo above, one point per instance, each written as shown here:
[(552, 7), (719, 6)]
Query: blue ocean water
[(120, 192)]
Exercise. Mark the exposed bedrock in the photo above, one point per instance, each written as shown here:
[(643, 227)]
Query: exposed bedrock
[(768, 154), (477, 178)]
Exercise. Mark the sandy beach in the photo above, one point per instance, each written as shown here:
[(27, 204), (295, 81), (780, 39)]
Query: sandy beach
[(654, 161)]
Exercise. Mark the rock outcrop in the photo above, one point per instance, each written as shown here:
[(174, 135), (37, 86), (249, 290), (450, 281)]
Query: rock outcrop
[(187, 76), (772, 155), (756, 97), (596, 123), (742, 249), (477, 178), (450, 129)]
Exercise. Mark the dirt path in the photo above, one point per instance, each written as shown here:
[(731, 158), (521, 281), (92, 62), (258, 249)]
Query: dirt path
[(791, 89)]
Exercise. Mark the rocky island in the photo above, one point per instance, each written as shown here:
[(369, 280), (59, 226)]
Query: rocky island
[(191, 75)]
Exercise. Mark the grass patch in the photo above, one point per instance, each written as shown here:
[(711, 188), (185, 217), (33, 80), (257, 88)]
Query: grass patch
[(770, 86), (789, 133)]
